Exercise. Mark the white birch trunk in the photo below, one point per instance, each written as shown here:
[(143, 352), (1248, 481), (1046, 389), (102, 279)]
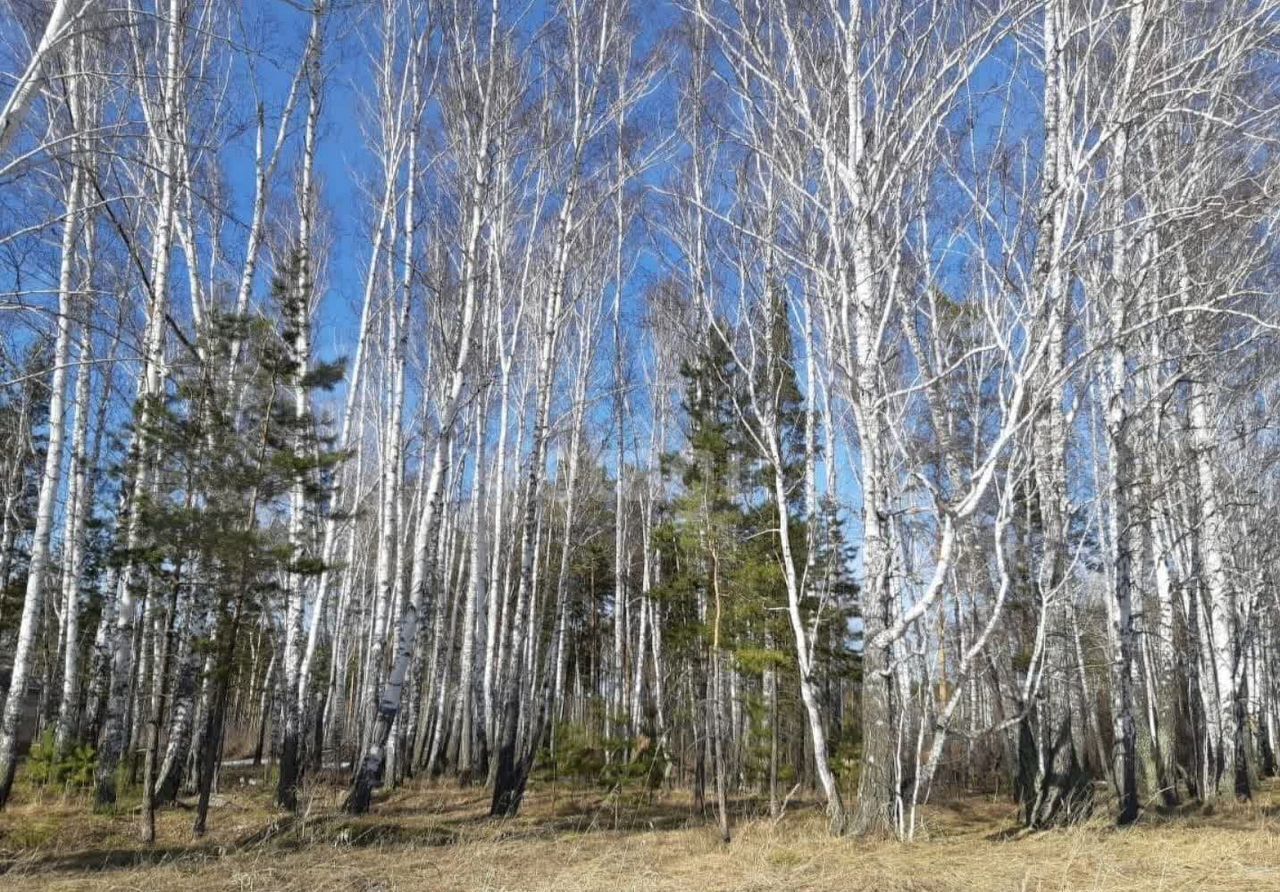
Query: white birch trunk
[(50, 482), (77, 511), (63, 17), (163, 136)]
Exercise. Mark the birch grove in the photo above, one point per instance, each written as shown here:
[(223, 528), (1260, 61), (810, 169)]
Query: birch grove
[(871, 401)]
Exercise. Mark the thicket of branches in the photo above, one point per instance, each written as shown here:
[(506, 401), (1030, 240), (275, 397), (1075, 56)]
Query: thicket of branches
[(873, 399)]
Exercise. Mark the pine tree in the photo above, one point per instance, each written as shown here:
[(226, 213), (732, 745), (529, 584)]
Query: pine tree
[(232, 450)]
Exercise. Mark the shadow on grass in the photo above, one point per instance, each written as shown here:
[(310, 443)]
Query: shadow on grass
[(416, 816), (96, 860), (432, 815)]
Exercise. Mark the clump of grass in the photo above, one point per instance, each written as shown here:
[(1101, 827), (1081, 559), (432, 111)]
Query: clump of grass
[(34, 833)]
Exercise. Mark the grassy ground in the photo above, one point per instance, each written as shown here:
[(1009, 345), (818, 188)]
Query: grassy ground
[(437, 838)]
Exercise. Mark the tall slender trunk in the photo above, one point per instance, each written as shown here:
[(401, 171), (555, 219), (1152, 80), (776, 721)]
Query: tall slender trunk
[(155, 714), (804, 642), (512, 768), (79, 498), (423, 573), (476, 576), (497, 563), (163, 137), (50, 482), (299, 321), (1224, 728), (172, 768)]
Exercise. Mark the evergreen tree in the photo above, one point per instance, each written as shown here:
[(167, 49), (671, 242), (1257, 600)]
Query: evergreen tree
[(229, 454)]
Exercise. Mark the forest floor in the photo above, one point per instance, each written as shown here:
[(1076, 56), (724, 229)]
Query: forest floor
[(436, 837)]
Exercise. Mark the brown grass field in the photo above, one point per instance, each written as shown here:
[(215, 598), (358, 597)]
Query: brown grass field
[(436, 837)]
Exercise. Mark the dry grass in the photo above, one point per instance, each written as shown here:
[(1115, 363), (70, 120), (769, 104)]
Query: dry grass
[(436, 838)]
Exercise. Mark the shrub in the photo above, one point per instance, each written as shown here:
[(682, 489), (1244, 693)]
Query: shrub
[(75, 769)]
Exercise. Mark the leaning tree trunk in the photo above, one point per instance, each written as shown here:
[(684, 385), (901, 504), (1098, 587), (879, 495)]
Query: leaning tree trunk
[(60, 26), (804, 643), (50, 481)]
